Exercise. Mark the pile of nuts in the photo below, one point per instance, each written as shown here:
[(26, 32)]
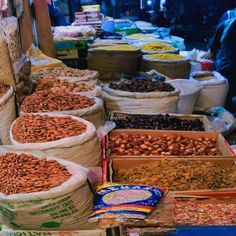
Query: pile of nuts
[(38, 129), (195, 212), (23, 173), (62, 85), (62, 72), (166, 145), (158, 122), (179, 175), (3, 89), (142, 86), (45, 101)]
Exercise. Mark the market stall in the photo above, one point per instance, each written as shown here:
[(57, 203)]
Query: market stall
[(133, 144)]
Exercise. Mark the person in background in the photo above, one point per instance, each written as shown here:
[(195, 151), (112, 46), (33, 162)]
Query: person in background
[(57, 18), (222, 49)]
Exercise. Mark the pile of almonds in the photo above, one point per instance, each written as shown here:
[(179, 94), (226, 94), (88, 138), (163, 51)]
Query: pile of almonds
[(179, 175), (166, 145), (142, 86), (30, 128), (45, 101), (26, 174), (61, 85), (3, 89)]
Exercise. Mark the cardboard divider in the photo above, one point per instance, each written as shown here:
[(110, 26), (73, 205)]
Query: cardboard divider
[(221, 143), (113, 116)]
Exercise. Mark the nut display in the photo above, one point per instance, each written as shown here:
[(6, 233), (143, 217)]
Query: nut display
[(158, 122), (118, 48), (179, 175), (44, 101), (62, 72), (157, 47), (142, 86), (3, 89), (165, 145), (193, 212), (61, 85), (166, 56), (38, 129), (23, 173)]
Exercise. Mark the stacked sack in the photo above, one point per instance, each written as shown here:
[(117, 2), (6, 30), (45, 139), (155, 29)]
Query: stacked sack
[(89, 108), (146, 97), (110, 60), (60, 198), (171, 65)]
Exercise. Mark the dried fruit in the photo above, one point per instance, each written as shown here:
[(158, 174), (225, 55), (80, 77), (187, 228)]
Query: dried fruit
[(142, 86), (158, 122), (38, 129), (55, 101), (25, 173), (163, 145), (179, 175)]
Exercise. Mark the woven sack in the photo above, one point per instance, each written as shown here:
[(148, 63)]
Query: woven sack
[(171, 68), (109, 63)]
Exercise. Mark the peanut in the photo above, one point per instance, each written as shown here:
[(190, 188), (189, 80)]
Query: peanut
[(45, 101), (61, 85), (24, 173), (172, 145), (30, 128)]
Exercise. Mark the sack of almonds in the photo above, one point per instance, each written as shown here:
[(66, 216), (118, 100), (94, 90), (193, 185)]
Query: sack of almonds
[(88, 108), (43, 192), (7, 112), (64, 136)]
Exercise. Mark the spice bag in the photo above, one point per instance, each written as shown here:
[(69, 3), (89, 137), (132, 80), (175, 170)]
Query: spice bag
[(214, 91), (189, 93), (145, 103), (84, 149), (64, 207), (173, 69), (7, 115), (109, 63), (94, 114), (6, 73)]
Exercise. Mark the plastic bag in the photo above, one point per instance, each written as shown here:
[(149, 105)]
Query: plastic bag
[(125, 201)]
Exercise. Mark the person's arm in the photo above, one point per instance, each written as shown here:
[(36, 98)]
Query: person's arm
[(215, 43)]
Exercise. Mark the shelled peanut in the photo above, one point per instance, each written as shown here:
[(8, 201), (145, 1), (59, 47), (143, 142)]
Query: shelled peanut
[(62, 72), (179, 175), (30, 128), (165, 145), (3, 89), (61, 85), (23, 173), (45, 101)]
